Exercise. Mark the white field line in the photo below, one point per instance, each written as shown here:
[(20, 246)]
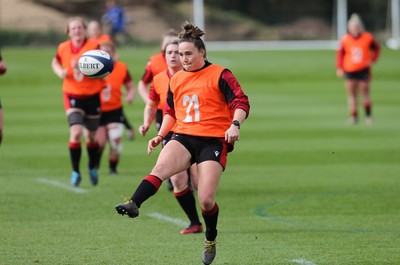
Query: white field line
[(167, 218), (61, 185), (303, 262)]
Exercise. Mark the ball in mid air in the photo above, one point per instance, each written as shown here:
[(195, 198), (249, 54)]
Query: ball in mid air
[(96, 64)]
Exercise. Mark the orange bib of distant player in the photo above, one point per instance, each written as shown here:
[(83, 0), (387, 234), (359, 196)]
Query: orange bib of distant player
[(111, 95), (357, 54), (77, 83)]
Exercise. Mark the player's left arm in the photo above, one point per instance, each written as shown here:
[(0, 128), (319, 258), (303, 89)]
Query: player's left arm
[(233, 134), (376, 49), (233, 93), (238, 102), (339, 60)]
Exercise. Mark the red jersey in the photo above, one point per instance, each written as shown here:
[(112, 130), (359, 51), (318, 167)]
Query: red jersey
[(75, 83), (355, 54), (111, 95), (203, 101)]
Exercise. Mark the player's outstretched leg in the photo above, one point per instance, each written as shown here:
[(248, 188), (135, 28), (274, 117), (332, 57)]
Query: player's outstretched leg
[(128, 207), (147, 188)]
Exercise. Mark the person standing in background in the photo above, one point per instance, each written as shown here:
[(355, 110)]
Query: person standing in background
[(95, 32), (155, 65), (357, 52), (112, 118), (81, 97), (115, 16)]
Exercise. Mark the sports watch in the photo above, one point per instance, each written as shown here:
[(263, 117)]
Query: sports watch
[(236, 123)]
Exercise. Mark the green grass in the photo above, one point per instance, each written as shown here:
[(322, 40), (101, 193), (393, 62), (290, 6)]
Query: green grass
[(301, 187)]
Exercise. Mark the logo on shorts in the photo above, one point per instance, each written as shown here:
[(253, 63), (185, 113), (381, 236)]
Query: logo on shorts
[(216, 153)]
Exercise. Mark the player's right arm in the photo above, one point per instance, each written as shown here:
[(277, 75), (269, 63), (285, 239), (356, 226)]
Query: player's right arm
[(166, 126), (143, 85), (150, 110), (149, 115), (143, 91), (58, 68)]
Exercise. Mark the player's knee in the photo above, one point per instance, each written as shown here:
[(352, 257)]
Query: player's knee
[(116, 146), (207, 203), (75, 133), (115, 135), (206, 200), (179, 181)]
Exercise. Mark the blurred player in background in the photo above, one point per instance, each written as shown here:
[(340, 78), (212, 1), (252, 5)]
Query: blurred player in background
[(357, 52), (3, 69), (208, 106), (155, 65), (115, 16), (157, 97), (95, 32), (111, 122), (81, 97)]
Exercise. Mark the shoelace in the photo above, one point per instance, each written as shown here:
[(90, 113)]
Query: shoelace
[(126, 199), (209, 246)]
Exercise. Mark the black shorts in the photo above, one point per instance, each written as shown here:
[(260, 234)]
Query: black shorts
[(113, 116), (362, 75), (90, 104), (204, 148)]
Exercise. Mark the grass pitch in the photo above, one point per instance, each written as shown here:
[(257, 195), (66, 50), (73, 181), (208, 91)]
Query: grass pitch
[(301, 187)]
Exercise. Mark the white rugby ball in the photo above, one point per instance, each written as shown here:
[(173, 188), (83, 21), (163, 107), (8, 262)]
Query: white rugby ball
[(96, 64)]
